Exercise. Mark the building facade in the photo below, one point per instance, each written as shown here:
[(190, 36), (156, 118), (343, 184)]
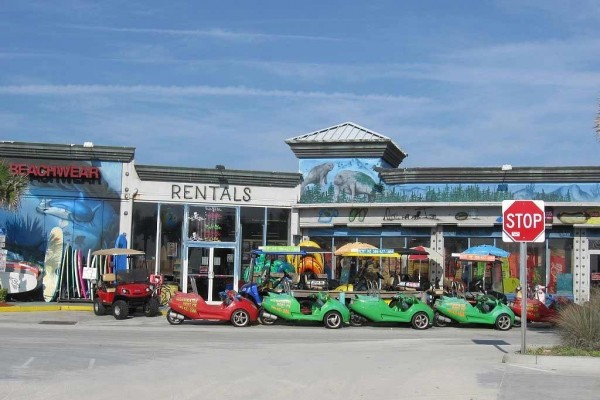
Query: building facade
[(201, 223)]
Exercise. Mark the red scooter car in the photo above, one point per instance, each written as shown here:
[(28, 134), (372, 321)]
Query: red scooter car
[(190, 306), (539, 308)]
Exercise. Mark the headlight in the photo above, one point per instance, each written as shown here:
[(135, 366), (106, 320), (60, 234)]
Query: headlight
[(149, 289), (125, 291)]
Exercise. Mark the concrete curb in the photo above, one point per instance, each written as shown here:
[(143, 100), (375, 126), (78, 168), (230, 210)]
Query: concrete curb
[(52, 307), (588, 363)]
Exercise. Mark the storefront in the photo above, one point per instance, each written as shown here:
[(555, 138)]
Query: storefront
[(201, 223)]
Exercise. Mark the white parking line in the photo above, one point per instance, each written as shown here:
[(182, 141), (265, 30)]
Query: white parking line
[(91, 364), (26, 365), (532, 368)]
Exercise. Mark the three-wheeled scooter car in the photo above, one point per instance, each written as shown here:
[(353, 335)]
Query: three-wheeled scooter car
[(487, 310), (321, 307), (191, 306), (402, 308), (124, 290)]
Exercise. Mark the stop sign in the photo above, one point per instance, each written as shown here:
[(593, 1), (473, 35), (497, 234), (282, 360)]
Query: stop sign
[(523, 221)]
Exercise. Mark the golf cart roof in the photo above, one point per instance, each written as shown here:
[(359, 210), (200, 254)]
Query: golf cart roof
[(296, 250), (118, 252)]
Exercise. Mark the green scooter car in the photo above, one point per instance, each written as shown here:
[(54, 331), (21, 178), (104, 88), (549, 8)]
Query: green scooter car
[(487, 310), (319, 307), (402, 308)]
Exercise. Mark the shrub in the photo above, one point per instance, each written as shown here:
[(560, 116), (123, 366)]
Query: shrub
[(3, 294), (579, 325)]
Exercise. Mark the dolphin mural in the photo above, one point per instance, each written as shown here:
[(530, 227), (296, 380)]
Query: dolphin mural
[(75, 211)]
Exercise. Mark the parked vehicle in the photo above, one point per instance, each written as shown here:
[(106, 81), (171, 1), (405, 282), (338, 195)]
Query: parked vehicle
[(402, 308), (125, 290), (191, 306), (486, 310), (540, 308), (319, 307)]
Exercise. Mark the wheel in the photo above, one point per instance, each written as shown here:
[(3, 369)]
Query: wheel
[(420, 321), (120, 309), (503, 322), (99, 308), (333, 320), (356, 320), (172, 318), (265, 320), (151, 307), (240, 318), (437, 321), (165, 295)]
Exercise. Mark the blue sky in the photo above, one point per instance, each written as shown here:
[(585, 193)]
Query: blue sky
[(200, 83)]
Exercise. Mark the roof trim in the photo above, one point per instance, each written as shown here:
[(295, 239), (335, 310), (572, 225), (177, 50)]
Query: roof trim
[(10, 149), (158, 173)]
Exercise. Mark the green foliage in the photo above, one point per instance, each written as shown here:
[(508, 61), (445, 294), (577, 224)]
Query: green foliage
[(3, 294), (12, 187), (562, 351), (579, 326)]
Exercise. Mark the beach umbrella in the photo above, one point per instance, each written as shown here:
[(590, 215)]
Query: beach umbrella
[(350, 247), (486, 250)]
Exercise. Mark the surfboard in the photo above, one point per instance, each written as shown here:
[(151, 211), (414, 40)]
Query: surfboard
[(75, 275), (52, 263), (80, 271), (121, 261), (62, 287)]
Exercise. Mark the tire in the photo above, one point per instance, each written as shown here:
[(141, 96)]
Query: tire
[(503, 322), (172, 318), (151, 307), (437, 321), (240, 318), (264, 320), (333, 320), (420, 321), (356, 320), (99, 308), (120, 309)]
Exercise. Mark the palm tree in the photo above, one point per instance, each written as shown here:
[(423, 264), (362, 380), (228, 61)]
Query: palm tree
[(597, 126), (12, 187)]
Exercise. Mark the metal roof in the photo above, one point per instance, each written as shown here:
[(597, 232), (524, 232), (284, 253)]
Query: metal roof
[(344, 141)]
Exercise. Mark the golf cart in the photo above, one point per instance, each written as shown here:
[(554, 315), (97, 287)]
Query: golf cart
[(125, 288)]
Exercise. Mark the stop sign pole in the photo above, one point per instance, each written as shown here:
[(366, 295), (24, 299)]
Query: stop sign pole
[(523, 221)]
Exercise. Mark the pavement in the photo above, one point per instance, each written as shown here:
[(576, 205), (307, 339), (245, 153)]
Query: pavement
[(550, 362)]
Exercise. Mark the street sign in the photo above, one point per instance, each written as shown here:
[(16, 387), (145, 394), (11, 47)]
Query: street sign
[(523, 221)]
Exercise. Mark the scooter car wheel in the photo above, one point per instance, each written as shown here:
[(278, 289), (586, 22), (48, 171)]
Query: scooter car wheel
[(420, 321), (172, 318), (333, 320), (151, 307), (438, 321), (120, 309), (503, 322), (356, 320), (240, 318)]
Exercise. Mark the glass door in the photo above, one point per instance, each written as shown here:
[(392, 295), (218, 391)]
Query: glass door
[(210, 271)]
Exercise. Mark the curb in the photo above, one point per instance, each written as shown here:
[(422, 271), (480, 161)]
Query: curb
[(57, 307), (588, 363)]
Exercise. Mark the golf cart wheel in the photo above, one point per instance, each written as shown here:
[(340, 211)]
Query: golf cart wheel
[(503, 322), (438, 321), (240, 318), (99, 308), (356, 320), (333, 320), (151, 307), (265, 320), (120, 309), (172, 318), (420, 321)]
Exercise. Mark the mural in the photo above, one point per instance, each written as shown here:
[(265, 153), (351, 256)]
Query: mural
[(86, 209), (355, 181)]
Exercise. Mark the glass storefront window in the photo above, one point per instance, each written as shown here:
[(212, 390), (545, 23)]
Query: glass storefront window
[(560, 279), (278, 226), (171, 222), (143, 235), (211, 224)]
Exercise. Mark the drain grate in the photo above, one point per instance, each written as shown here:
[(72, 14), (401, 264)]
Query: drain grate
[(58, 322)]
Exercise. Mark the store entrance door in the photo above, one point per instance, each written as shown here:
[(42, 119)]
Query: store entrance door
[(210, 270)]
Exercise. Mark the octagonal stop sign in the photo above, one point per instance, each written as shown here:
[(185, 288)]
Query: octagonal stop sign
[(523, 221)]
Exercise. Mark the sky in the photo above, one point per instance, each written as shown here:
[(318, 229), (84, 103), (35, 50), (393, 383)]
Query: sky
[(199, 83)]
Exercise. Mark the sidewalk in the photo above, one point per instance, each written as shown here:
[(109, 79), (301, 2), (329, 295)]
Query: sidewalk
[(28, 306), (571, 362)]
